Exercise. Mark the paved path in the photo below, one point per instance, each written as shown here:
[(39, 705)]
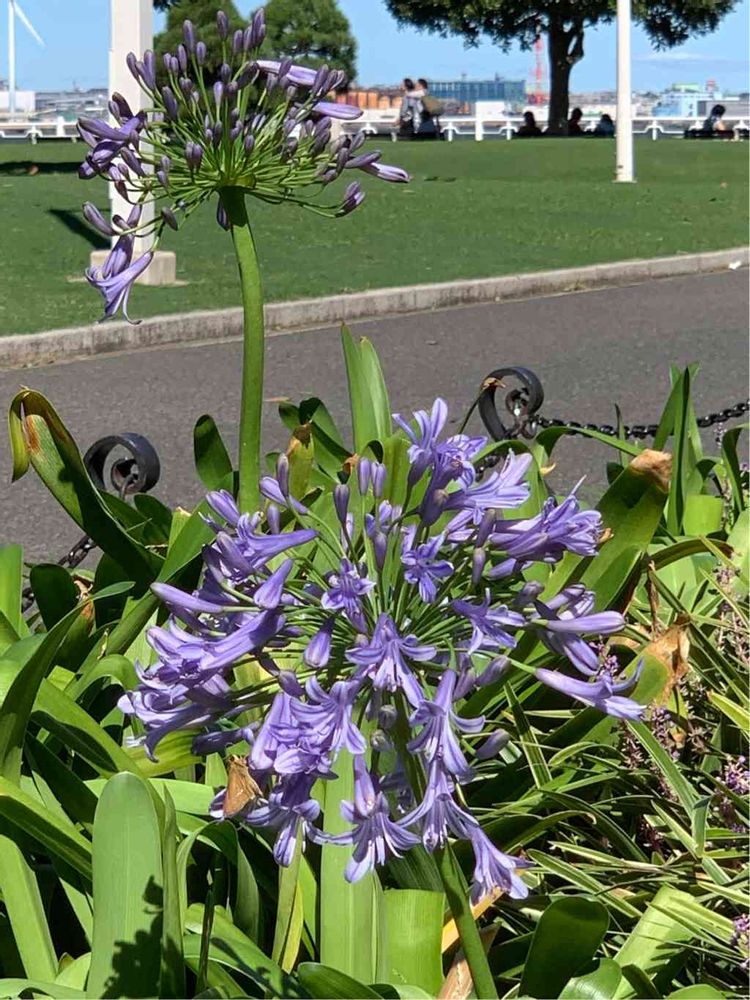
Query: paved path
[(590, 349)]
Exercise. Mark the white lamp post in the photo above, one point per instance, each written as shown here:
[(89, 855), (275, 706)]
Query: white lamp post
[(624, 134), (132, 30)]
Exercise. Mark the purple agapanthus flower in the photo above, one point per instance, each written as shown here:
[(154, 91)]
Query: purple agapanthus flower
[(489, 626), (494, 870), (346, 588), (375, 836), (546, 537), (437, 739), (262, 126), (567, 617), (383, 660), (371, 610), (603, 694), (116, 277), (422, 565)]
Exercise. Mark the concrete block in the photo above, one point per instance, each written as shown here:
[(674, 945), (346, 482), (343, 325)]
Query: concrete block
[(161, 271)]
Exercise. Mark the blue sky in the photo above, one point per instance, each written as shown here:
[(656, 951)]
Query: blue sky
[(77, 34)]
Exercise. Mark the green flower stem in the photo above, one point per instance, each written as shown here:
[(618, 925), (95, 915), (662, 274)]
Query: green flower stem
[(458, 899), (253, 350)]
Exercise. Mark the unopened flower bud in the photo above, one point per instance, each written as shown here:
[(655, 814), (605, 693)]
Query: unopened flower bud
[(170, 218), (494, 671), (222, 24), (318, 651), (170, 103), (188, 34), (182, 57), (364, 473), (387, 716), (493, 745), (478, 560), (218, 92), (341, 501), (221, 216), (282, 474), (237, 42), (378, 479), (273, 517), (200, 53)]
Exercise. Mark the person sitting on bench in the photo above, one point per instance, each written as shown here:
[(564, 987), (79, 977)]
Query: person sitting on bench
[(529, 128), (714, 123)]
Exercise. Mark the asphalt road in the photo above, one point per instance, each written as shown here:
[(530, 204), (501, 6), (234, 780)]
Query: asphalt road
[(591, 350)]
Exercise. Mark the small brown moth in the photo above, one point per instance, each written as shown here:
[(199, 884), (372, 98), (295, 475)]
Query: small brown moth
[(242, 788)]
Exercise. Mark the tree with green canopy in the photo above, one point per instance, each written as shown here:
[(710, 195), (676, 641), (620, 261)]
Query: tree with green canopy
[(311, 33), (564, 22)]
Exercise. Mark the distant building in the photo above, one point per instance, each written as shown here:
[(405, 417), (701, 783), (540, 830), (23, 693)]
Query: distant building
[(468, 91), (72, 103), (685, 100), (25, 101)]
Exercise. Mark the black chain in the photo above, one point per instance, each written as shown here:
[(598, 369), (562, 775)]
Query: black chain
[(523, 405), (640, 431)]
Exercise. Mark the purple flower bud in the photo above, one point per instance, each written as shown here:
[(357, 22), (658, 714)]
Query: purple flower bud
[(182, 57), (225, 73), (132, 63), (257, 30), (318, 651), (378, 479), (357, 141), (237, 41), (493, 671), (246, 75), (174, 66), (466, 682), (148, 70), (216, 133), (221, 216), (200, 53), (162, 179), (493, 745), (353, 197), (193, 154), (257, 123), (341, 501), (235, 132), (387, 716), (232, 89), (364, 474), (188, 34), (282, 474), (132, 161), (92, 215), (169, 217), (478, 560), (167, 60), (218, 92), (346, 112), (273, 517), (320, 82), (359, 162), (380, 548), (249, 142), (170, 103), (222, 24), (186, 85)]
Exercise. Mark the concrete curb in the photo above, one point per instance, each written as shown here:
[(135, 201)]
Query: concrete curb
[(178, 328)]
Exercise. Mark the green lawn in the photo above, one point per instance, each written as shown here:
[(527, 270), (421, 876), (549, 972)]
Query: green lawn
[(472, 210)]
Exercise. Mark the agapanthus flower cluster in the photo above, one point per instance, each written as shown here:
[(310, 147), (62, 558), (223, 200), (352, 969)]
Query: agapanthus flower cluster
[(376, 611), (263, 126)]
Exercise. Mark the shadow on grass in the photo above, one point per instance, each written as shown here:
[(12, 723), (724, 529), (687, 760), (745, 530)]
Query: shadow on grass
[(77, 226), (33, 167)]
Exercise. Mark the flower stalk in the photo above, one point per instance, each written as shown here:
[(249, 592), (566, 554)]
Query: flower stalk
[(253, 347), (456, 892)]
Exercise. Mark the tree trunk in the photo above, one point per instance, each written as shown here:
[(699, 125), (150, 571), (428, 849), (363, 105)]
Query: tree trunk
[(565, 50)]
